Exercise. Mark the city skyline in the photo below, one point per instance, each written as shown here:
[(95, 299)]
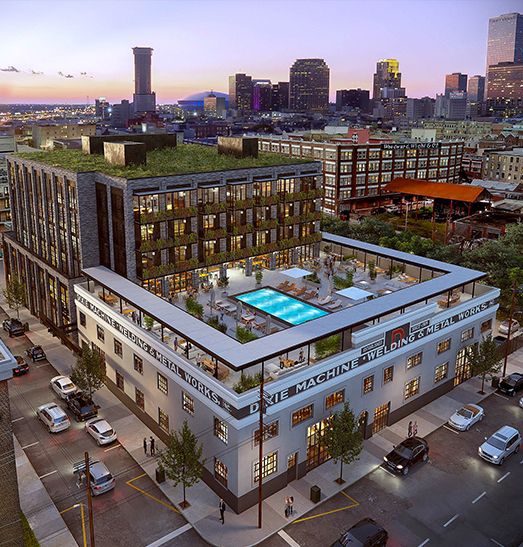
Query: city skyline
[(196, 45)]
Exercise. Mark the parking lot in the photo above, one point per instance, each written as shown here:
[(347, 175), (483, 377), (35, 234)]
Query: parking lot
[(454, 500)]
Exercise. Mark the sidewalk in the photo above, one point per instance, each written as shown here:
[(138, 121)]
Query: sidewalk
[(242, 530)]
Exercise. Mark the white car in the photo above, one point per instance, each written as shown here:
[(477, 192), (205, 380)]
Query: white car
[(521, 402), (505, 442), (53, 417), (503, 328), (100, 430), (63, 386), (464, 418)]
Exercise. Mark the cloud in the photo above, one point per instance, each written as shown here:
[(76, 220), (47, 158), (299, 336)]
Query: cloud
[(31, 71), (10, 69), (85, 75), (60, 73)]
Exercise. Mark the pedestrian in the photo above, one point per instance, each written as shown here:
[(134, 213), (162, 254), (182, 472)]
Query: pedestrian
[(415, 429), (317, 293), (187, 348), (410, 429), (300, 357), (152, 446), (281, 361), (176, 343), (221, 316), (287, 507), (145, 445), (291, 508), (198, 361), (222, 507)]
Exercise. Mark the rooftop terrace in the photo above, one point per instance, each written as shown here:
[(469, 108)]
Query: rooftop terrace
[(169, 161)]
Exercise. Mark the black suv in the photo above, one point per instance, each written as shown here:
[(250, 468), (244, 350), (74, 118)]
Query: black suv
[(366, 533), (21, 366), (82, 407), (511, 384), (36, 353), (14, 327), (406, 454)]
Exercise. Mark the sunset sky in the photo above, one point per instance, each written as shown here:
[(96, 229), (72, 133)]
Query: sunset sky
[(64, 51)]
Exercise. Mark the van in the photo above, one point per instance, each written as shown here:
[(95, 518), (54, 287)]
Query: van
[(53, 417), (100, 478), (501, 445)]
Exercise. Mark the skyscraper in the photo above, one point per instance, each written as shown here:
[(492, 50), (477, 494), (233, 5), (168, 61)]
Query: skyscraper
[(262, 95), (144, 100), (455, 82), (387, 75), (240, 92), (309, 85), (476, 90), (280, 96), (354, 98)]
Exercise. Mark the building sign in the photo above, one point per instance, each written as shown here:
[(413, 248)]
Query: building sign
[(410, 145)]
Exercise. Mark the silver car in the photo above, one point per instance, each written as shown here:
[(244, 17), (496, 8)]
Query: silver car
[(100, 478), (100, 430), (501, 445), (53, 417), (63, 386), (465, 417)]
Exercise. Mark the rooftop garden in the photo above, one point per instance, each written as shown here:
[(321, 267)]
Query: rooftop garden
[(184, 158)]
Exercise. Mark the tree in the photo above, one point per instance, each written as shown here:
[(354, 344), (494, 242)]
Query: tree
[(342, 438), (484, 358), (89, 371), (15, 294), (181, 459)]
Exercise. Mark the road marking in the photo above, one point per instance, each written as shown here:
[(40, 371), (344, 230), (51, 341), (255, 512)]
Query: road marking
[(113, 447), (450, 429), (47, 474), (503, 397), (424, 543), (17, 419), (355, 504), (288, 539), (172, 535), (387, 471), (504, 476), (479, 497), (149, 495), (44, 365), (451, 520), (28, 445), (496, 542)]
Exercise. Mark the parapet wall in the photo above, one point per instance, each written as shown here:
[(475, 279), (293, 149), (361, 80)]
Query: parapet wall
[(95, 145)]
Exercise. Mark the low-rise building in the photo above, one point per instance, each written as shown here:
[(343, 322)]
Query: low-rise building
[(43, 135), (504, 165)]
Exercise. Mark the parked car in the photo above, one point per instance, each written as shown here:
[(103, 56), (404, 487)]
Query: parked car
[(406, 454), (14, 327), (36, 353), (393, 209), (378, 211), (500, 340), (63, 386), (100, 477), (366, 533), (511, 384), (521, 402), (464, 418), (501, 445), (503, 328), (82, 407), (21, 366), (100, 430), (53, 417)]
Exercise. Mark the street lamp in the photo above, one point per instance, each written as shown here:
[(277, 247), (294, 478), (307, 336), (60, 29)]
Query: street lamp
[(514, 289)]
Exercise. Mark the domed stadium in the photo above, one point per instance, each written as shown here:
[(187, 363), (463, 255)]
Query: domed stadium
[(194, 102)]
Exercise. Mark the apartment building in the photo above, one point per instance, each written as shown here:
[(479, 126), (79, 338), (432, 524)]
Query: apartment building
[(506, 165)]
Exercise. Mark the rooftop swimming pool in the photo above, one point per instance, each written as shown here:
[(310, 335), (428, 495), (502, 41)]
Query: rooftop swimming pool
[(281, 306)]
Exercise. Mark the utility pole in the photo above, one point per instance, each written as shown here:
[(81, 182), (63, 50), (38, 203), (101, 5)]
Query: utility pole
[(89, 500), (509, 328), (260, 465)]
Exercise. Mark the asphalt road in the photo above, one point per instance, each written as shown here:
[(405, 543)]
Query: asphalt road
[(454, 500), (135, 513)]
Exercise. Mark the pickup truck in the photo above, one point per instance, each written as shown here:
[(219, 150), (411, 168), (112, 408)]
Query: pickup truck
[(82, 407)]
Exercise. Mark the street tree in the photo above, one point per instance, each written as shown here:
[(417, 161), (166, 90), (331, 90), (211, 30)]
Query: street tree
[(342, 438), (88, 373), (180, 460), (15, 294), (484, 358)]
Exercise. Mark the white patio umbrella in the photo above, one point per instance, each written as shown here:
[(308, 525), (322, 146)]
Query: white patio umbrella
[(239, 311), (213, 299), (268, 324), (296, 273), (330, 284)]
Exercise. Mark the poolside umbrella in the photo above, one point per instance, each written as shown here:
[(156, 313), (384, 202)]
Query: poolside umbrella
[(213, 299), (296, 273), (268, 324), (330, 284), (239, 311)]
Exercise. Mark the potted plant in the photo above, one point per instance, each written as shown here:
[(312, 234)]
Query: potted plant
[(372, 271), (258, 276), (223, 282), (148, 322)]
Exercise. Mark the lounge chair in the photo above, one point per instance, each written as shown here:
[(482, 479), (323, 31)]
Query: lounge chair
[(283, 285), (309, 295), (260, 325), (334, 305), (299, 292), (274, 329), (325, 301), (289, 288)]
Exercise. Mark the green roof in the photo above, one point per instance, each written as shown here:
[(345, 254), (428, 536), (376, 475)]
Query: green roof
[(184, 158)]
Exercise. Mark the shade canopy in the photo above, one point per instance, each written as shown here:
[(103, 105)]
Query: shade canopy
[(296, 273), (354, 293)]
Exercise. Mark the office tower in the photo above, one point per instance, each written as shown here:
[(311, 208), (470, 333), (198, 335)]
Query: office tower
[(455, 82), (505, 82), (456, 105), (387, 75), (261, 95), (280, 96), (213, 105), (352, 98), (309, 85), (144, 99), (240, 92), (101, 108), (420, 108), (121, 113), (476, 90), (505, 39)]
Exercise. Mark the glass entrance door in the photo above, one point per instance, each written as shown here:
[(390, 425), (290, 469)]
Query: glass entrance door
[(381, 418), (316, 454), (463, 369)]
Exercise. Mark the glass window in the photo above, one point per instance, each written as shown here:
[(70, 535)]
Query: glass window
[(188, 403), (412, 388), (269, 431), (119, 380), (368, 384), (486, 325), (100, 333), (163, 420), (221, 430), (140, 399), (163, 385), (269, 466), (118, 349), (83, 320), (335, 398), (467, 334), (444, 346), (138, 364), (388, 374), (414, 360), (220, 472), (441, 372), (302, 414)]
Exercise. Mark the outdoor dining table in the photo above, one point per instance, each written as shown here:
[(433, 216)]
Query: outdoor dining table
[(210, 367)]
